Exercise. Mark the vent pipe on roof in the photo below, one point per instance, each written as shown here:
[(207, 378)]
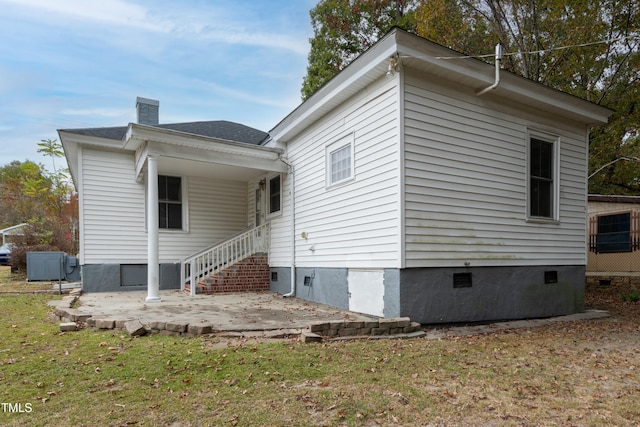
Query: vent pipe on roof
[(147, 111), (497, 81)]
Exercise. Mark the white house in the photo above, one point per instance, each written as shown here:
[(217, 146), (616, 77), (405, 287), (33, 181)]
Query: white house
[(417, 183)]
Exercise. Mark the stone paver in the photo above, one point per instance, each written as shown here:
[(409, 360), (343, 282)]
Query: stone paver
[(265, 313), (181, 314)]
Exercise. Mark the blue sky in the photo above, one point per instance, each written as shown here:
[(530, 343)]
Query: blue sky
[(79, 63)]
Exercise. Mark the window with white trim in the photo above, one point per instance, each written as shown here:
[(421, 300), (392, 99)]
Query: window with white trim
[(275, 194), (340, 161), (543, 177), (170, 202)]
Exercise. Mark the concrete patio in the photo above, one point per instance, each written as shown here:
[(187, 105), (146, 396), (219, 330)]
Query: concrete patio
[(255, 314), (256, 311)]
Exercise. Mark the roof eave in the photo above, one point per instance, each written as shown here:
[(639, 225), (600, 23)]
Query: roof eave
[(137, 134), (71, 140), (338, 89), (417, 52)]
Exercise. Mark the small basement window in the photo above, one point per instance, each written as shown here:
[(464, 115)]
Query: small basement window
[(133, 275), (462, 280), (551, 276)]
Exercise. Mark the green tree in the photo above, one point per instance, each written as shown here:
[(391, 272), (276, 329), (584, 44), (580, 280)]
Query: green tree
[(60, 188), (29, 193), (588, 48), (457, 25), (23, 191), (345, 28)]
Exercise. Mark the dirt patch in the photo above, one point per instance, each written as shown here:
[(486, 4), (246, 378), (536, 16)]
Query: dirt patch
[(618, 299)]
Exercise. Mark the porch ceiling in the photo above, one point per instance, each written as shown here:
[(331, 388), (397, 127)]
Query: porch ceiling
[(174, 166)]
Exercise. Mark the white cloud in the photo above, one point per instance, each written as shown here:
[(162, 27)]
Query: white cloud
[(212, 24), (113, 12), (252, 38), (95, 112), (244, 96), (81, 63), (16, 80)]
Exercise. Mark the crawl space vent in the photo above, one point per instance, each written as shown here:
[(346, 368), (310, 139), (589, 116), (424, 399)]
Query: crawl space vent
[(462, 280)]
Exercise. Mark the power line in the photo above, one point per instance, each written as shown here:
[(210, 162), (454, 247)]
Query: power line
[(491, 55)]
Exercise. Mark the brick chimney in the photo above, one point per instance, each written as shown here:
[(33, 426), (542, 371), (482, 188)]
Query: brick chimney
[(147, 111)]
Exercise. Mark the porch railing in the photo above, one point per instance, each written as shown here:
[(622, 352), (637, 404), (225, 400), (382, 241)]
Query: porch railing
[(211, 260)]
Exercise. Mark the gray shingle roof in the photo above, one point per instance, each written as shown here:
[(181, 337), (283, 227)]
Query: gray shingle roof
[(109, 133), (220, 129)]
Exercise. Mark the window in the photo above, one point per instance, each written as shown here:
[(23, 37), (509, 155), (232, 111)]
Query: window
[(341, 164), (170, 202), (614, 233), (275, 194), (340, 161), (542, 178)]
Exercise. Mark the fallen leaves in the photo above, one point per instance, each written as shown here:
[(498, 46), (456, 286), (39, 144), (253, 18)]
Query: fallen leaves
[(582, 373), (232, 382)]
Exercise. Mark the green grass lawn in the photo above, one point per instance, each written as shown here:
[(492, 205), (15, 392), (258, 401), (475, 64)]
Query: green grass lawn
[(17, 282), (581, 373)]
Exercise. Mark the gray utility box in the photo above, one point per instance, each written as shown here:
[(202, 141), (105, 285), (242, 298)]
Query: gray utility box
[(46, 266)]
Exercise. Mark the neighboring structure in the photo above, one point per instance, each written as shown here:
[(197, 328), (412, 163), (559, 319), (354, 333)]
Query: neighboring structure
[(401, 188), (6, 244), (614, 239)]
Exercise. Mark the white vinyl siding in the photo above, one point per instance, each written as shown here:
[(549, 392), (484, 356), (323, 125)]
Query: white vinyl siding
[(466, 184), (354, 225), (217, 210), (113, 212), (113, 205)]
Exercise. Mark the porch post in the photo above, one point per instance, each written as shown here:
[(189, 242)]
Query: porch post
[(153, 269)]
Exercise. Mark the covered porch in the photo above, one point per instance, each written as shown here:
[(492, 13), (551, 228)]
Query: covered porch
[(206, 201)]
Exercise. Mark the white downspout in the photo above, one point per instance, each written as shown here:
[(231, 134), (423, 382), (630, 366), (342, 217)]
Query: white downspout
[(292, 292), (497, 80)]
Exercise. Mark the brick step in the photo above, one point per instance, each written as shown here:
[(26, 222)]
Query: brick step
[(249, 275)]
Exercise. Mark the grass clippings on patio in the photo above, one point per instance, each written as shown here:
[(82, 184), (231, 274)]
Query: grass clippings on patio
[(569, 374)]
